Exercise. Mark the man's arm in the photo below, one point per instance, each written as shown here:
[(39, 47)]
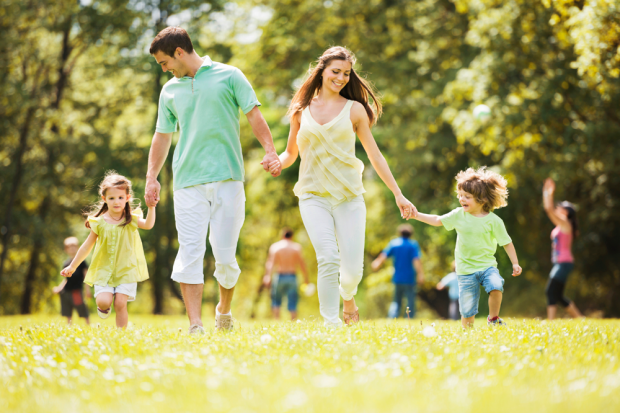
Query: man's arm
[(157, 157), (271, 161), (378, 261), (417, 264)]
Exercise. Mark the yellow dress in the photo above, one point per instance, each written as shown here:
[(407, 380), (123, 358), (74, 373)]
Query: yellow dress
[(329, 167), (119, 256)]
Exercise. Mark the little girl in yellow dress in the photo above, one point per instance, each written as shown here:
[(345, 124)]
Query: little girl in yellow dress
[(118, 263)]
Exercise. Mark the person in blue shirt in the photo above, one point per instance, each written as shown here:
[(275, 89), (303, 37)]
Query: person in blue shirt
[(451, 281), (408, 271)]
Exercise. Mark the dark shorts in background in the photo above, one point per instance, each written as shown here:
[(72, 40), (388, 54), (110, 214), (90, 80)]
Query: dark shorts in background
[(72, 299)]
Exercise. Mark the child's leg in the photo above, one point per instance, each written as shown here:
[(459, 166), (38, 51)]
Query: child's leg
[(493, 284), (468, 321), (469, 296), (120, 307), (104, 300), (495, 302)]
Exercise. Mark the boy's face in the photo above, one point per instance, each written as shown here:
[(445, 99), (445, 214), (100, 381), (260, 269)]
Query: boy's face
[(468, 202), (71, 249)]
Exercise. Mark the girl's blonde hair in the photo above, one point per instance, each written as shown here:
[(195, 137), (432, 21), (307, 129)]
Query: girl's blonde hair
[(113, 180), (357, 89), (489, 188)]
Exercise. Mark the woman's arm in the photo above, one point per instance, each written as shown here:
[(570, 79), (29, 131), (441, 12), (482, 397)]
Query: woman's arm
[(549, 205), (288, 157), (81, 255), (361, 123), (433, 220), (149, 222)]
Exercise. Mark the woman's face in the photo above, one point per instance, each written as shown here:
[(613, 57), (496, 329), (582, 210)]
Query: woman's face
[(561, 211), (336, 75)]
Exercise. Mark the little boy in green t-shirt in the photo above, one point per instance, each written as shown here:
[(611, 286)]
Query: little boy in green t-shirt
[(479, 231)]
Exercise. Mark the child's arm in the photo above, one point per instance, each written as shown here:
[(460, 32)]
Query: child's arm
[(378, 261), (433, 220), (81, 255), (512, 253), (60, 286), (149, 222)]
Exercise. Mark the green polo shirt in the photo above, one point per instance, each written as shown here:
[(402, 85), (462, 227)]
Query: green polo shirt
[(206, 108)]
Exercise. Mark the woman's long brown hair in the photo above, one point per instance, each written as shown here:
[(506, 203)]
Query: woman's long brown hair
[(357, 89)]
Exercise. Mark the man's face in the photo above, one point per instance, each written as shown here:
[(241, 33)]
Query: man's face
[(170, 63)]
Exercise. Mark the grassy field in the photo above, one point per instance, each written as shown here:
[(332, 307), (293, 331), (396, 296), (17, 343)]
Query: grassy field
[(377, 366)]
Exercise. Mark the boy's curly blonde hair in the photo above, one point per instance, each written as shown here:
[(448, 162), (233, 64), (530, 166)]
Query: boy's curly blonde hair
[(489, 188)]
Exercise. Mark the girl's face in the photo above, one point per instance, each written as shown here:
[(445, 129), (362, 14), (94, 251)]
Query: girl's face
[(468, 202), (336, 75), (116, 198)]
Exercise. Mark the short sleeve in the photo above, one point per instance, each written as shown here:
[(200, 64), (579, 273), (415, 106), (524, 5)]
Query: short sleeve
[(388, 250), (166, 120), (500, 233), (135, 216), (449, 220), (244, 94), (417, 252), (94, 224)]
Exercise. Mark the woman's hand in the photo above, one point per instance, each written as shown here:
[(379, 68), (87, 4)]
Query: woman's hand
[(407, 209), (548, 187)]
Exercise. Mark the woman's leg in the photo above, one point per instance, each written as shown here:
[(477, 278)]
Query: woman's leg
[(350, 222), (573, 311), (317, 217), (120, 307)]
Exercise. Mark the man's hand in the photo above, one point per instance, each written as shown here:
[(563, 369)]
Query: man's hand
[(516, 270), (267, 281), (151, 192), (67, 272), (271, 163)]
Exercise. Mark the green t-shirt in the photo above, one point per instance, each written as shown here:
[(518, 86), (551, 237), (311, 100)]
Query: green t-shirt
[(477, 239), (206, 107)]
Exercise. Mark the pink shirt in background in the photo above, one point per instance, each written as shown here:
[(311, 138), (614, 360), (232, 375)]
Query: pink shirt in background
[(561, 250)]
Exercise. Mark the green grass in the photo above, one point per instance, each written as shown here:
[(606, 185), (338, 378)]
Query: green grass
[(377, 366)]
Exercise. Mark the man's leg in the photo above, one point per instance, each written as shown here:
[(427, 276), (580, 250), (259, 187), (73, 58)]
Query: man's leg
[(192, 212), (226, 296), (192, 297)]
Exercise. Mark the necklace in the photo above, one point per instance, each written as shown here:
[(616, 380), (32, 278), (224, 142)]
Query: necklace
[(117, 220)]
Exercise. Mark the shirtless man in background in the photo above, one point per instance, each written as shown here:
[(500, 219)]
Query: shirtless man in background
[(285, 255)]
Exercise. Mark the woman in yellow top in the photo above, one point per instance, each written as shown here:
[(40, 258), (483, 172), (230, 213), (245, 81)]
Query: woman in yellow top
[(329, 109), (118, 261)]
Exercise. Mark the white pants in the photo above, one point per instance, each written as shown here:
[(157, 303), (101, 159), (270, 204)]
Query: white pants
[(220, 205), (129, 290), (337, 234)]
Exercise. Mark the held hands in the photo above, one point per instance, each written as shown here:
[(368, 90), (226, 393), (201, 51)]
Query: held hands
[(267, 281), (407, 209), (67, 272), (271, 162), (516, 270), (151, 192)]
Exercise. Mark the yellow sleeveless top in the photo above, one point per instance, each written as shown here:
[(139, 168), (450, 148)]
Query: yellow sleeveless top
[(329, 167), (119, 256)]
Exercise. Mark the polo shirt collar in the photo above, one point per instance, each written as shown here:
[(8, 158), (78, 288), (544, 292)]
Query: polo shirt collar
[(206, 64)]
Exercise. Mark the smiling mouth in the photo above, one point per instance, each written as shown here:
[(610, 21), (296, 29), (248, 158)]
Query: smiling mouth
[(338, 84)]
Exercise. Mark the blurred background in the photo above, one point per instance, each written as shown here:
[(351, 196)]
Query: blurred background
[(79, 92)]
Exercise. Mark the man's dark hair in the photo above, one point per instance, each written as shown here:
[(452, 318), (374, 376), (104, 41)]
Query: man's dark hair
[(405, 230), (169, 39), (288, 233)]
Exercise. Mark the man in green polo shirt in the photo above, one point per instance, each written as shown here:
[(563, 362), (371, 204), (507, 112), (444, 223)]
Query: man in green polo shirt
[(203, 100)]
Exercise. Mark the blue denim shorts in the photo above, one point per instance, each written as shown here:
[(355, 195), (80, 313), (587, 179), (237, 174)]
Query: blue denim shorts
[(286, 285), (469, 289)]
